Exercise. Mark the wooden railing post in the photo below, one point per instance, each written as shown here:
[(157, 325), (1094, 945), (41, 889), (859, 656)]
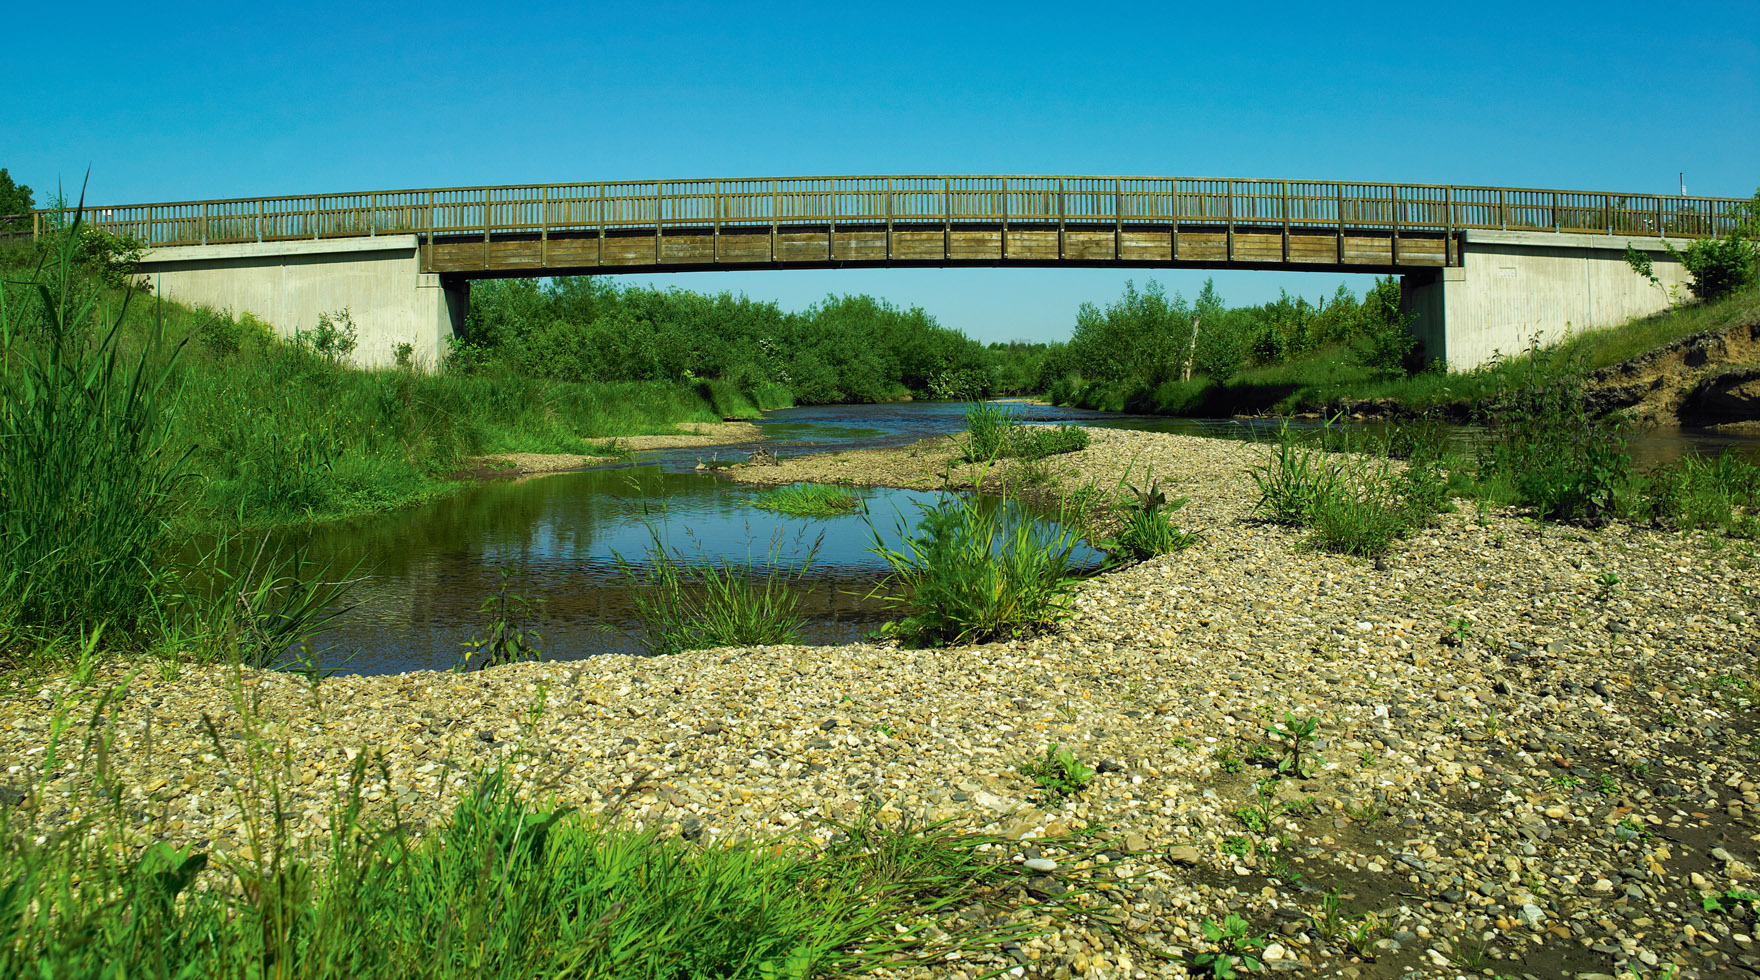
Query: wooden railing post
[(485, 227), (775, 208), (1394, 243), (1230, 240), (717, 208), (1503, 209), (1448, 226), (1062, 217), (1004, 214), (544, 226), (946, 219), (889, 193), (1338, 190), (260, 217), (1118, 219), (1286, 221), (1554, 210)]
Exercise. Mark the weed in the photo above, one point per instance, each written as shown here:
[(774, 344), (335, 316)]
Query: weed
[(978, 569), (1368, 811), (809, 500), (1355, 505), (703, 604), (1460, 630), (1147, 527), (1732, 901), (1259, 815), (1607, 580), (1237, 845), (1228, 759), (1605, 784), (1297, 738), (505, 635), (1236, 946), (1565, 781), (1060, 774)]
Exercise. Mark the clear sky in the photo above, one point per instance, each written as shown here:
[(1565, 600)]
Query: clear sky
[(179, 101)]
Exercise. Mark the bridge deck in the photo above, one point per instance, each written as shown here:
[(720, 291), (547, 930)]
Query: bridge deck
[(805, 222)]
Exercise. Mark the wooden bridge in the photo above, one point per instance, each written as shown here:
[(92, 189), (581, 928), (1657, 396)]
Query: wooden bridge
[(835, 222)]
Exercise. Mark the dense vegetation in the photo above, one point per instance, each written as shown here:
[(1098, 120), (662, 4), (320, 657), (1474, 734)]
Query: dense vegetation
[(845, 349)]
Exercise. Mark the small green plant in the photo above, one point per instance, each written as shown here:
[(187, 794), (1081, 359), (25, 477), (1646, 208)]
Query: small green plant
[(886, 730), (809, 500), (1368, 811), (1259, 815), (1607, 580), (1237, 845), (1060, 774), (505, 635), (1605, 784), (1335, 925), (1296, 735), (1732, 901), (1146, 526), (1228, 759), (1362, 932), (404, 355), (1235, 947), (1565, 781), (1460, 630)]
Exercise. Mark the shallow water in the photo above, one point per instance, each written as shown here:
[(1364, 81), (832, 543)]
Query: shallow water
[(560, 536)]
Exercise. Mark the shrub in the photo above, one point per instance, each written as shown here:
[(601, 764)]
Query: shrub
[(1549, 453), (1717, 267), (977, 570)]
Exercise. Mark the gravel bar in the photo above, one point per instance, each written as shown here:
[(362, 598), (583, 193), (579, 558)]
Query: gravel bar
[(1538, 743)]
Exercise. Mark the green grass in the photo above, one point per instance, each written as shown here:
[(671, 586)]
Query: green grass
[(994, 432), (974, 570), (503, 887), (1354, 504), (809, 500), (1322, 378), (700, 604)]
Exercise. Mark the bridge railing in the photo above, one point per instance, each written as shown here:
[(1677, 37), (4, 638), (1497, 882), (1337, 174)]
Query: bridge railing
[(893, 201)]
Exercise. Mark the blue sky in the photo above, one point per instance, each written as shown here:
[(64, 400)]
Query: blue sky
[(169, 102)]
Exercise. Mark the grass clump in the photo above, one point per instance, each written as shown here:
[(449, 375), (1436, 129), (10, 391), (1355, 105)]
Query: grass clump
[(809, 500), (1354, 504), (91, 476), (1146, 527), (503, 887), (996, 433), (701, 604), (979, 569)]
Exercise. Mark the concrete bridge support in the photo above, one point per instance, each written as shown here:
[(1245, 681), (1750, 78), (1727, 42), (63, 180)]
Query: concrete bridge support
[(1512, 285), (287, 284)]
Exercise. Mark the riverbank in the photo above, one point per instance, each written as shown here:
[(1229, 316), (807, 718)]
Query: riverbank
[(505, 465), (1673, 367), (1535, 743)]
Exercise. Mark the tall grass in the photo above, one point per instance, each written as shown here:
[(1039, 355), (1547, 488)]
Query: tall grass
[(975, 570), (90, 470), (502, 887), (993, 432), (700, 604), (1353, 503)]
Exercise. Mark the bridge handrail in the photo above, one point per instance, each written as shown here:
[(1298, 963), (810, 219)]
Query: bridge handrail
[(925, 200)]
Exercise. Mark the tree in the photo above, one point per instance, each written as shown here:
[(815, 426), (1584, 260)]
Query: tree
[(15, 199)]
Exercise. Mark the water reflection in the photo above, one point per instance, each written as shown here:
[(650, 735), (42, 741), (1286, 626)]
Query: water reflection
[(432, 566)]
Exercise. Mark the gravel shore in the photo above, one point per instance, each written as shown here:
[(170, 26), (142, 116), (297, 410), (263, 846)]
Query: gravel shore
[(1538, 743)]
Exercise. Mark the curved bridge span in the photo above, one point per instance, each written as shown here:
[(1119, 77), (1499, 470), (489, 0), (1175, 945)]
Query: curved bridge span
[(1483, 268), (990, 220)]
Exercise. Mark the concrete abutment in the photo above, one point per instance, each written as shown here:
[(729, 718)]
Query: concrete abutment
[(288, 285), (1512, 286)]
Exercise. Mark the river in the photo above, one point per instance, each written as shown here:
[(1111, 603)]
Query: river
[(559, 537)]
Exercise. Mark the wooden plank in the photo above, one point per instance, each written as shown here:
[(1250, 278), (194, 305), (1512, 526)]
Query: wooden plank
[(573, 253), (745, 248), (917, 246), (802, 246), (688, 249), (1203, 246), (974, 245), (1257, 246), (1087, 245)]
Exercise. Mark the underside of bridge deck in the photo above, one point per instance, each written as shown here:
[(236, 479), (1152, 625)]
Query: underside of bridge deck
[(686, 249)]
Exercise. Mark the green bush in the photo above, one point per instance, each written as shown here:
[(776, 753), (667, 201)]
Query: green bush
[(1717, 267), (1549, 453), (977, 570)]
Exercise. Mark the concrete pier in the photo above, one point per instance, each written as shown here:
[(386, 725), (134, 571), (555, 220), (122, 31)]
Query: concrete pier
[(288, 284), (1513, 285)]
